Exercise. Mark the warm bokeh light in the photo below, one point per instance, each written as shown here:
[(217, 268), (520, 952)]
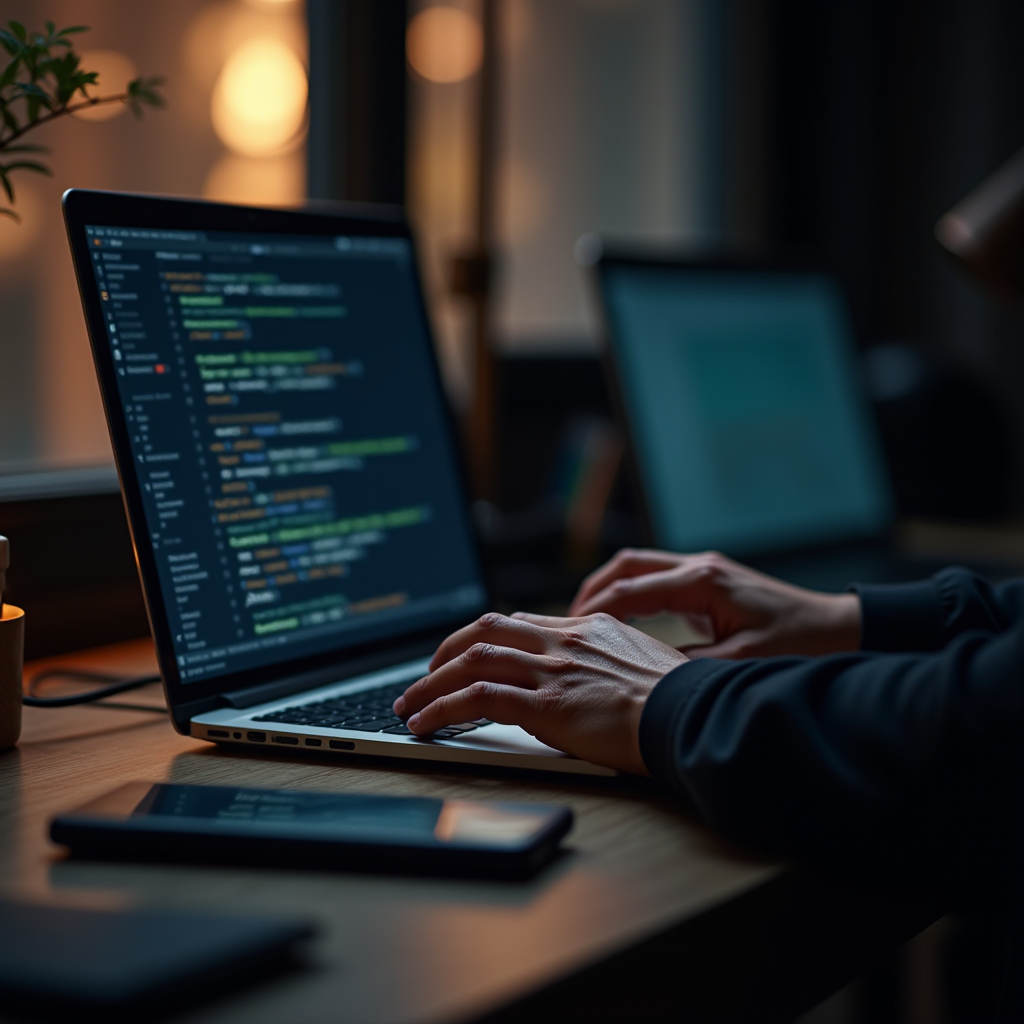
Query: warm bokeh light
[(219, 29), (115, 71), (259, 101), (522, 204), (444, 44), (265, 181)]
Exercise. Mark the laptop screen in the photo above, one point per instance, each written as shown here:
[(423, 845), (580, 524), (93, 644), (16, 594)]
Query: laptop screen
[(288, 431), (741, 392)]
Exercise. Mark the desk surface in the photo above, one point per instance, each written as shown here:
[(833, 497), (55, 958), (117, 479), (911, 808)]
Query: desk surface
[(638, 871)]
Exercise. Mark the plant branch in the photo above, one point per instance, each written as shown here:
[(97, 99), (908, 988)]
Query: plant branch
[(67, 108)]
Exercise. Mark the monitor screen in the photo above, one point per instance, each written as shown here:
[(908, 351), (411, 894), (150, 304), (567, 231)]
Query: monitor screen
[(741, 392), (288, 432)]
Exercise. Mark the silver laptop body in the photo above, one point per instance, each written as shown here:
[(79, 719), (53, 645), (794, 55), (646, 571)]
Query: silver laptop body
[(289, 470)]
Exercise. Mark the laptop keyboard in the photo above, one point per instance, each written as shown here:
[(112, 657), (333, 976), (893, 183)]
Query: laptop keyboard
[(369, 711)]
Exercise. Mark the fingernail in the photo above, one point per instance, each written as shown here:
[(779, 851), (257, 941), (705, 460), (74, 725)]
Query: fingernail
[(399, 706), (414, 721)]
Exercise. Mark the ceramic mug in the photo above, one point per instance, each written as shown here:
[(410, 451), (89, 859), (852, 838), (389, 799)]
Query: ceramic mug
[(12, 647)]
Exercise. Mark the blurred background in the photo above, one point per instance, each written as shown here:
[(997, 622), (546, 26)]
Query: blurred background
[(840, 131), (843, 129), (509, 128)]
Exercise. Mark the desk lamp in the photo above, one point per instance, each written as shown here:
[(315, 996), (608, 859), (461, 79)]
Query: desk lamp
[(985, 231)]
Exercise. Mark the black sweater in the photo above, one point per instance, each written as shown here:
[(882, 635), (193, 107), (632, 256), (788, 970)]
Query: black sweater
[(901, 761)]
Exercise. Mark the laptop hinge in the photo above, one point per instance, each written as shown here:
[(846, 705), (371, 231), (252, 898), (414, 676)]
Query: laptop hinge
[(321, 677)]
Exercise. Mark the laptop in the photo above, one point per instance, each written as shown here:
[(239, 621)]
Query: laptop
[(740, 393), (289, 471)]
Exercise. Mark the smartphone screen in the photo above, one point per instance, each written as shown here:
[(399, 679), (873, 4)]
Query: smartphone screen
[(345, 817)]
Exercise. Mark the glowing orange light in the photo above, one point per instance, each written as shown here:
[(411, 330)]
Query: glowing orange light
[(274, 181), (259, 101), (444, 44)]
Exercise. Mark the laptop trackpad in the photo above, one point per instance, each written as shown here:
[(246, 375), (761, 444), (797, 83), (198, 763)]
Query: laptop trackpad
[(509, 739)]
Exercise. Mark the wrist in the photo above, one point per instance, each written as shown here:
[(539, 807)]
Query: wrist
[(843, 622)]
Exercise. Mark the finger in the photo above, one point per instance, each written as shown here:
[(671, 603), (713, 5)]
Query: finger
[(739, 645), (485, 662), (509, 705), (547, 621), (640, 595), (490, 628), (688, 588), (626, 563)]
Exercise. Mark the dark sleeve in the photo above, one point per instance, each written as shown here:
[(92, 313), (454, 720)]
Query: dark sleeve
[(907, 763), (926, 616)]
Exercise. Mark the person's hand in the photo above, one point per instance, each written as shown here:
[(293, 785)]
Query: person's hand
[(750, 614), (577, 684)]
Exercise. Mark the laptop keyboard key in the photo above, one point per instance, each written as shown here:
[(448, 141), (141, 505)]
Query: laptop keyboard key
[(376, 726)]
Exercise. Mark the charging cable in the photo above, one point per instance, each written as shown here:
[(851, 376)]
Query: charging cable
[(114, 685)]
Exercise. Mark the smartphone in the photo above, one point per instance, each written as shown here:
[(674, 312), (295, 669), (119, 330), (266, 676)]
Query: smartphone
[(277, 827)]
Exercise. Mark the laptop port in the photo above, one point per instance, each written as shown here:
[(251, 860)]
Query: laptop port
[(291, 741), (256, 737), (314, 743), (218, 734), (341, 745)]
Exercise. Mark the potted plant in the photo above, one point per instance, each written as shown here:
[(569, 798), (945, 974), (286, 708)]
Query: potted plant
[(44, 81)]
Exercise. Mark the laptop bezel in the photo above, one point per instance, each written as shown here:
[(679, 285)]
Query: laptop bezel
[(609, 257), (290, 675)]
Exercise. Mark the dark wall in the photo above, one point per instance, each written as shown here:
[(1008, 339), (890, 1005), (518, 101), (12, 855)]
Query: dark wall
[(357, 80), (881, 115), (73, 571)]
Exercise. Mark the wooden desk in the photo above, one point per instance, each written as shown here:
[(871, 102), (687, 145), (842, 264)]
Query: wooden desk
[(647, 917)]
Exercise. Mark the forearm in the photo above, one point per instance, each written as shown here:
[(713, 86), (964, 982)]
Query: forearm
[(858, 758), (927, 615)]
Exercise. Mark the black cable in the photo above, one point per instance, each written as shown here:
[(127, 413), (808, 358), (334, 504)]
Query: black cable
[(115, 685)]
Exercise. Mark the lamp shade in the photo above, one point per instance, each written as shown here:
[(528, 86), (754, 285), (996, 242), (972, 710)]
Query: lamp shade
[(985, 231)]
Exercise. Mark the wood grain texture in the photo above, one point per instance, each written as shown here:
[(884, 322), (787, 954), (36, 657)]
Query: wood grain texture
[(391, 948), (646, 912)]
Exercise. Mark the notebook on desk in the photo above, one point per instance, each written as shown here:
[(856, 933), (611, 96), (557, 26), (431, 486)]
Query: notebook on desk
[(740, 392), (289, 471)]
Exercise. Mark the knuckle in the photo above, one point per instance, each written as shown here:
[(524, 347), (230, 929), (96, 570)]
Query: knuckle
[(548, 699), (572, 637), (711, 565), (478, 690), (489, 620), (479, 652)]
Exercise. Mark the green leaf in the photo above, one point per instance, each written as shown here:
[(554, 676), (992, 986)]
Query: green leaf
[(24, 149), (30, 89), (19, 30), (11, 43), (7, 76), (28, 165), (144, 91), (5, 183), (73, 30)]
